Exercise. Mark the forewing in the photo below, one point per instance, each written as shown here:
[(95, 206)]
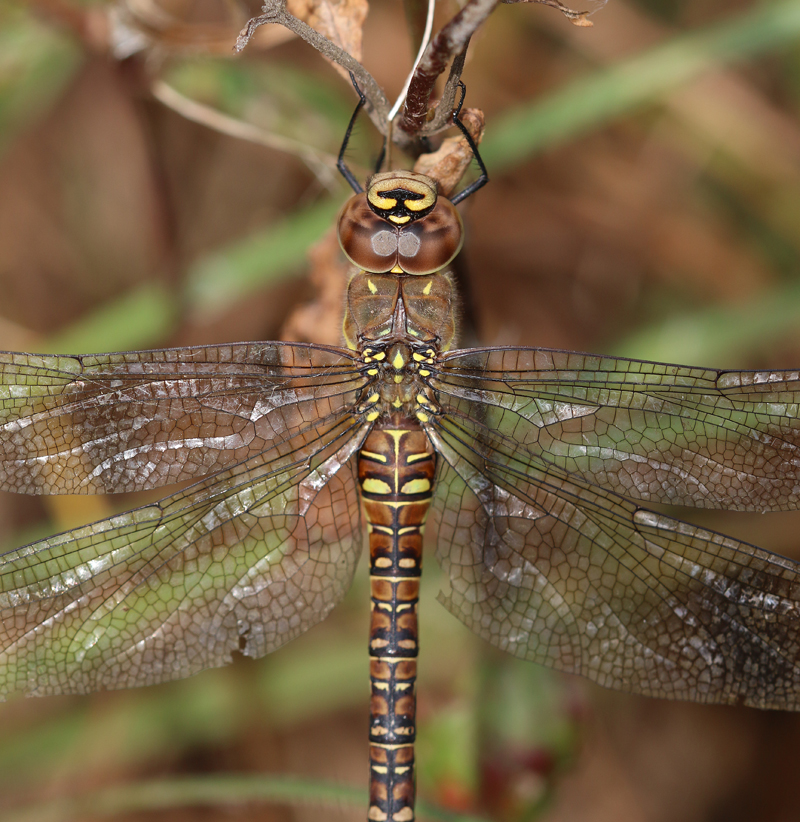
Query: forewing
[(650, 431), (143, 419), (240, 562), (560, 572)]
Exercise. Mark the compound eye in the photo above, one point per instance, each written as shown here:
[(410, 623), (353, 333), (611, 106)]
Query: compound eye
[(369, 242), (430, 243)]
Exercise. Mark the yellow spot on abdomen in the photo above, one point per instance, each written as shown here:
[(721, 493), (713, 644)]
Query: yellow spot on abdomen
[(416, 486), (398, 362), (373, 456), (375, 486)]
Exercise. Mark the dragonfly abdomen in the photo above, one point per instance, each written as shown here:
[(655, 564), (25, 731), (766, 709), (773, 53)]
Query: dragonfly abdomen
[(395, 471)]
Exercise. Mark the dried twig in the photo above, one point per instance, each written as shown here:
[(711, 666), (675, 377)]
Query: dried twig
[(451, 42), (579, 18), (274, 11), (321, 164)]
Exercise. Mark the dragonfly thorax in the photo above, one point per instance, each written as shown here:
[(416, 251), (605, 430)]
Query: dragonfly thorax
[(399, 385), (401, 225), (385, 308)]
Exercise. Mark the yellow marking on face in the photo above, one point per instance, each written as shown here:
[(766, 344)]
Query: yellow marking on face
[(372, 287), (373, 456), (398, 362), (423, 372), (427, 200), (416, 486), (379, 201), (371, 485), (427, 289), (373, 415), (398, 220), (417, 457)]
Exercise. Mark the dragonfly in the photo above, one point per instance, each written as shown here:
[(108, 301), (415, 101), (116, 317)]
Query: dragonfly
[(526, 471)]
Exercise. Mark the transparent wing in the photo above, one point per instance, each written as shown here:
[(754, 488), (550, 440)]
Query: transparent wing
[(142, 419), (555, 570), (240, 562), (651, 431)]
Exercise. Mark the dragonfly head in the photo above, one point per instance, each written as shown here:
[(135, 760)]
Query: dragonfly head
[(400, 225)]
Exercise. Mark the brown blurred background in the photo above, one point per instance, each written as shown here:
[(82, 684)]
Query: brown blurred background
[(665, 230)]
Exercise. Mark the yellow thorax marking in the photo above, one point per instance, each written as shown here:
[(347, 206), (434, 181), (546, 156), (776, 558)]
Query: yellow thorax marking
[(372, 287), (427, 289), (398, 362)]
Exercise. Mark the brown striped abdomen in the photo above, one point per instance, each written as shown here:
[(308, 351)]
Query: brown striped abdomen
[(395, 472)]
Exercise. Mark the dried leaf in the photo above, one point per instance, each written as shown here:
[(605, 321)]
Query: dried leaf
[(341, 21), (320, 320)]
